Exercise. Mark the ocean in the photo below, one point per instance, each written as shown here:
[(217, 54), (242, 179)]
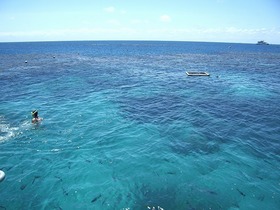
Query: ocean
[(125, 128)]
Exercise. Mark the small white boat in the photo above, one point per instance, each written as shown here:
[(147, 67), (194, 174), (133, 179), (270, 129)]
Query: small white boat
[(2, 175), (194, 73)]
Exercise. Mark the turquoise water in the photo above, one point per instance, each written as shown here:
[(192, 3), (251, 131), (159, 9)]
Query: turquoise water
[(125, 128)]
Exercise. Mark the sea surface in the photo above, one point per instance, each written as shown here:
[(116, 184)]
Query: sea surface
[(125, 128)]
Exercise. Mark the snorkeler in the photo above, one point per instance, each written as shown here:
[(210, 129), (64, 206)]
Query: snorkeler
[(35, 116)]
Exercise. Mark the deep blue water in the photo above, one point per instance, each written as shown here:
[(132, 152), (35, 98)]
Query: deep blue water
[(125, 128)]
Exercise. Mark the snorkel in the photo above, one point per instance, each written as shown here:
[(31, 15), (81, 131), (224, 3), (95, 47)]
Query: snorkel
[(34, 113)]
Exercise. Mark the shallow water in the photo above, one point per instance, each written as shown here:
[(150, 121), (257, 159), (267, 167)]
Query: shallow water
[(125, 128)]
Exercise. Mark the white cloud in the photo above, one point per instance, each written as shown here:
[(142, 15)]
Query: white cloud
[(110, 9), (165, 18)]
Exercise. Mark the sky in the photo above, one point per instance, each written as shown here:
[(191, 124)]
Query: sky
[(236, 21)]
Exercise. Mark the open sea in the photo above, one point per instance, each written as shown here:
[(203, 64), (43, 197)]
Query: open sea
[(125, 128)]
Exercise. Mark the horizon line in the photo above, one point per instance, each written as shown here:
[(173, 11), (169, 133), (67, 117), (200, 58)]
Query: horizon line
[(129, 40)]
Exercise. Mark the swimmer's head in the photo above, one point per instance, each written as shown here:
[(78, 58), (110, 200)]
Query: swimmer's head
[(34, 113)]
